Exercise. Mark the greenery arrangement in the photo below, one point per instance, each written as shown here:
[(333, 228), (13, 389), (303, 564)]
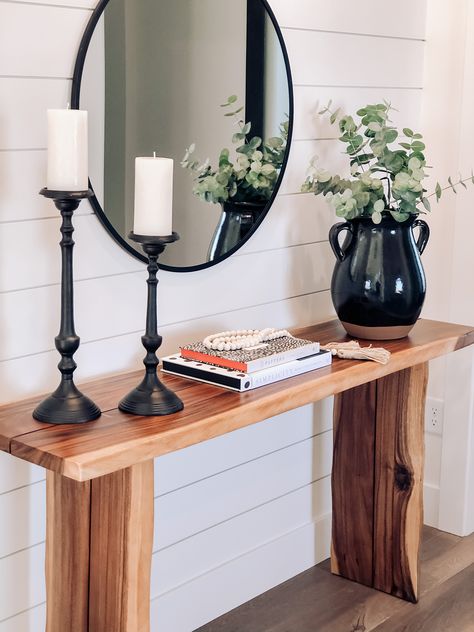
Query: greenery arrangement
[(248, 176), (385, 178)]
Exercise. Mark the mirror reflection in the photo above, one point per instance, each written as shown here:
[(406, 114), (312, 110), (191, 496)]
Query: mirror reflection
[(203, 82)]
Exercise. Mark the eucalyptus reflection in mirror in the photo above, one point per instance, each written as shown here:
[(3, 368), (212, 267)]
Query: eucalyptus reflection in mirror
[(242, 183)]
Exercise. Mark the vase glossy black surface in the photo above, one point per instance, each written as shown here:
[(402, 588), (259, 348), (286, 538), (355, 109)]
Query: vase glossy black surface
[(236, 220), (378, 285)]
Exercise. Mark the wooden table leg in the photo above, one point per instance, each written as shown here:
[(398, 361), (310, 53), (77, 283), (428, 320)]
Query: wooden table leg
[(98, 552), (377, 482)]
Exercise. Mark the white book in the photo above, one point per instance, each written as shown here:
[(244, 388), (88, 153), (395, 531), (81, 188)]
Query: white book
[(237, 381)]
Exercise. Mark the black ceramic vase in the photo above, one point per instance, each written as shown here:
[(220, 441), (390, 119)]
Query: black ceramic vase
[(236, 220), (378, 285)]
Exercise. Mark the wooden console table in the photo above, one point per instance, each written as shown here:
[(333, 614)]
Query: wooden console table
[(100, 475)]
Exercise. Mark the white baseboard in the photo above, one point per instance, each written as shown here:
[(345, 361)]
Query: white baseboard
[(431, 505)]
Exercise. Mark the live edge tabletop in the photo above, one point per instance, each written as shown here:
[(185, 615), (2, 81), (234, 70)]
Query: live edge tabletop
[(117, 440)]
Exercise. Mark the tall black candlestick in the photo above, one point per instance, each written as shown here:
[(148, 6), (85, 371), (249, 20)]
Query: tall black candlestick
[(151, 397), (67, 405)]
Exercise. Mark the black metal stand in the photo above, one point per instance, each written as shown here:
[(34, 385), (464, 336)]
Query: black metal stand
[(67, 405), (151, 397)]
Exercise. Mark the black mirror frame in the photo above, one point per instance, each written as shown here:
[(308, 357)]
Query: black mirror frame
[(99, 211)]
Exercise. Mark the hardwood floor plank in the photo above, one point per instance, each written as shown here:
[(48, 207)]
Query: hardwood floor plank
[(449, 607), (317, 601)]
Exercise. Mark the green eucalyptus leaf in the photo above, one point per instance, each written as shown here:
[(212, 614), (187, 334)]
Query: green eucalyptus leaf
[(426, 203), (379, 206), (377, 147), (400, 216), (408, 132), (438, 191), (390, 136)]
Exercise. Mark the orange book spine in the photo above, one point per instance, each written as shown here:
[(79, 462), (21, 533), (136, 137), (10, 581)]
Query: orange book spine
[(208, 359)]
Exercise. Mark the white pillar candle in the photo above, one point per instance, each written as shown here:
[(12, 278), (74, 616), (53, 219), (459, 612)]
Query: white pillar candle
[(67, 150), (153, 196)]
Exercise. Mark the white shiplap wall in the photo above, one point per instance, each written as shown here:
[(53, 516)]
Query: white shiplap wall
[(240, 514)]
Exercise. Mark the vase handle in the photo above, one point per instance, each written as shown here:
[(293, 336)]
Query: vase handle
[(334, 239), (424, 235)]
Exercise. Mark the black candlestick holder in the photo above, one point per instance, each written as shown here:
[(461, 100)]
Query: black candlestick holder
[(67, 405), (151, 397)]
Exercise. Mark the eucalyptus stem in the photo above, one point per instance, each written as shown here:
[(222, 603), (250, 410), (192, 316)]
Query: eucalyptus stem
[(388, 154), (462, 182)]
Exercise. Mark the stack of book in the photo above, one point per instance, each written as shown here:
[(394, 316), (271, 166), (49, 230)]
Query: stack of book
[(251, 368)]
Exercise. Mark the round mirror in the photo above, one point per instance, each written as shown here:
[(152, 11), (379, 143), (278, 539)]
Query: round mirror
[(205, 82)]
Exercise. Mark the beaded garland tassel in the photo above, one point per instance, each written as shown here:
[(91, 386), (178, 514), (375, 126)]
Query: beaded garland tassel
[(243, 338)]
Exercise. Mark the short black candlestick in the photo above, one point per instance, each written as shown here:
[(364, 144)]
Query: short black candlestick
[(151, 397), (67, 405)]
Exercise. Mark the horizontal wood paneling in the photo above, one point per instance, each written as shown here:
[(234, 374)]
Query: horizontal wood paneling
[(292, 220), (32, 374), (33, 620), (328, 59), (330, 156), (232, 584), (22, 583), (28, 528), (37, 262), (226, 541), (365, 16), (309, 100), (39, 40), (22, 176), (203, 460), (23, 105), (15, 473), (181, 297), (193, 508)]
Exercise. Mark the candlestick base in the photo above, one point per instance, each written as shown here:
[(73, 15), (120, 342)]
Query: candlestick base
[(67, 405), (151, 398)]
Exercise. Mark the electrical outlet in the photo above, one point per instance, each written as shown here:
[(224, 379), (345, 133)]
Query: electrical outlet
[(434, 414)]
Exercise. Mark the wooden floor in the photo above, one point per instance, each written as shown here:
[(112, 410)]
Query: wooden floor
[(317, 601)]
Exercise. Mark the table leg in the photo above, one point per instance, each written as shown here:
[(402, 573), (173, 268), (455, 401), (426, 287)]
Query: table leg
[(377, 482), (98, 551)]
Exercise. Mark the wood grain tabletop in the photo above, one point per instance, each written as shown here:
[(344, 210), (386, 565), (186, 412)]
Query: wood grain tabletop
[(118, 440)]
